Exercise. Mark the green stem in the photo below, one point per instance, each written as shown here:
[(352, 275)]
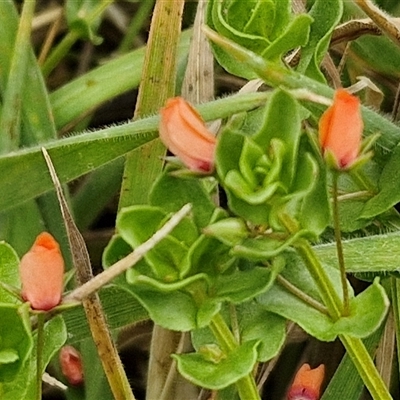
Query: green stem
[(246, 386), (39, 354), (362, 180), (222, 333), (301, 295), (320, 277), (234, 322), (59, 52), (339, 246), (135, 25), (365, 367), (354, 346), (70, 38)]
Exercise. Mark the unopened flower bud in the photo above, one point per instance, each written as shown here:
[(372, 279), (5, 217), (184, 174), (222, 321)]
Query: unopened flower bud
[(71, 365), (183, 131), (340, 129), (41, 271)]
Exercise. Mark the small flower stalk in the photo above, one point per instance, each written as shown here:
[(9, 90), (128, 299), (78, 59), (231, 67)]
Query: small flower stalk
[(41, 272), (307, 383), (71, 365), (185, 134), (340, 130)]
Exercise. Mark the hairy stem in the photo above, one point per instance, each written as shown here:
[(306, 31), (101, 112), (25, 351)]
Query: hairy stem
[(339, 246), (246, 386)]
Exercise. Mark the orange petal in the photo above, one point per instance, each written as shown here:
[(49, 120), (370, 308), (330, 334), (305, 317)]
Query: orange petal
[(71, 365), (307, 383), (183, 131), (340, 128), (41, 272)]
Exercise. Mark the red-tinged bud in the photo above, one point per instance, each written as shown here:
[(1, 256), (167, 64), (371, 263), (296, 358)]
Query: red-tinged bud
[(71, 365), (183, 131), (41, 270), (340, 129), (307, 383)]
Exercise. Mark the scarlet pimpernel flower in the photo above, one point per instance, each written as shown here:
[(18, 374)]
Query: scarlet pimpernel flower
[(71, 365), (307, 383), (183, 131), (41, 272), (340, 129)]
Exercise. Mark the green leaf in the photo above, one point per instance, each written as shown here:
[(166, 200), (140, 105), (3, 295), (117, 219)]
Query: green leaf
[(264, 248), (367, 310), (218, 375), (257, 324), (389, 191), (230, 231), (296, 35), (8, 356), (252, 196), (120, 307), (228, 153), (257, 171), (136, 224), (207, 255), (315, 209), (282, 121), (24, 386), (31, 107), (264, 27), (171, 194), (77, 155), (15, 337), (96, 384), (326, 15), (379, 253), (216, 18), (67, 158), (79, 14), (9, 272), (371, 48), (240, 286), (174, 306), (85, 93)]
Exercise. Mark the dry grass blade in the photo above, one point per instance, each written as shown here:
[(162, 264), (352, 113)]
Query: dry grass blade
[(94, 312), (381, 19)]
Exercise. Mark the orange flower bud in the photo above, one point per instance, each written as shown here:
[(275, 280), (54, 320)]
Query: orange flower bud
[(340, 129), (307, 383), (41, 270), (71, 365), (183, 131)]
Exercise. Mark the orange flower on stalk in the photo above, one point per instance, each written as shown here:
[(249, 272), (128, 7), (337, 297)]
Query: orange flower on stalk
[(340, 129), (41, 270), (71, 365), (307, 383), (183, 131)]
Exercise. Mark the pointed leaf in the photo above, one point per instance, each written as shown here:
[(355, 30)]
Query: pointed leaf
[(15, 337), (172, 193), (218, 375), (257, 324), (9, 272), (326, 15)]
